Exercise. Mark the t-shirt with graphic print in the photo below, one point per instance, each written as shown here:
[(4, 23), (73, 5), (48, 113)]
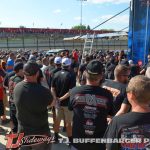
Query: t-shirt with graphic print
[(134, 126), (91, 106)]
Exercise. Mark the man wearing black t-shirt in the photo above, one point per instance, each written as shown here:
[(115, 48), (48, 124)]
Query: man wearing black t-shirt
[(14, 80), (62, 82), (118, 86), (81, 70), (91, 105), (57, 62), (136, 124), (31, 100)]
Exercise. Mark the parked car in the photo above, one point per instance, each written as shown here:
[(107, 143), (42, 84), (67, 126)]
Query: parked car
[(56, 51)]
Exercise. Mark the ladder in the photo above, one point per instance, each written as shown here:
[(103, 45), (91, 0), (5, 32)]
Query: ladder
[(88, 44)]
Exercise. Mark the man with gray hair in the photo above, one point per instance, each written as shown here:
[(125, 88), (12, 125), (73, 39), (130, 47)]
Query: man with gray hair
[(135, 124)]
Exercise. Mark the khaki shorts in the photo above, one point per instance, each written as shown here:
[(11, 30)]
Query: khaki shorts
[(64, 113)]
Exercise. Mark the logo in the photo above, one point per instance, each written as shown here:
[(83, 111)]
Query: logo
[(17, 140)]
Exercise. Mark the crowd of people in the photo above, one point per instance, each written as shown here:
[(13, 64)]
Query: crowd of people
[(99, 95)]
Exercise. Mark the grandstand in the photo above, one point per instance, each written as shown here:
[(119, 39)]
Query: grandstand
[(39, 38), (27, 31)]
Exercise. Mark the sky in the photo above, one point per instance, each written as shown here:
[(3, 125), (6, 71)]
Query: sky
[(63, 14)]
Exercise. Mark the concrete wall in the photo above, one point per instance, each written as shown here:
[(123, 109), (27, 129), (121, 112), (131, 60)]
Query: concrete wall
[(49, 43)]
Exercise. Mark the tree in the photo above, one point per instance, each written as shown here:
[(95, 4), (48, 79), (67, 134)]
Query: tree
[(79, 27), (22, 26), (88, 27)]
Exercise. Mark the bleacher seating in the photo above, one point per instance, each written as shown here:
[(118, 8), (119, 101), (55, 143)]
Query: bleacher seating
[(51, 31)]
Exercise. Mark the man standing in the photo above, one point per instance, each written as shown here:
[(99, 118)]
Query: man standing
[(91, 105), (47, 72), (118, 86), (18, 77), (57, 62), (81, 70), (62, 82), (135, 124), (10, 62), (31, 100), (75, 55)]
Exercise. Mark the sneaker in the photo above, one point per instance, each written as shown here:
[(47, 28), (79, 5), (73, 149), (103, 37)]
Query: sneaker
[(4, 122)]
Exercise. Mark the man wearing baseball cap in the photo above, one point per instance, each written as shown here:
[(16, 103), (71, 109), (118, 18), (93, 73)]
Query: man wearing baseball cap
[(57, 62), (31, 100), (14, 80), (91, 105), (62, 82)]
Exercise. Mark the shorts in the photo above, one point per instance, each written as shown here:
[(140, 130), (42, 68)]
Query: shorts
[(63, 112), (1, 108)]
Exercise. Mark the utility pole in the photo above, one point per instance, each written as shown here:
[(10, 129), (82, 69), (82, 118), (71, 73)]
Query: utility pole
[(81, 12)]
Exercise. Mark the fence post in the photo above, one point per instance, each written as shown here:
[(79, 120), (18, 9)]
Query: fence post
[(23, 41), (54, 42), (49, 43), (37, 42), (7, 43)]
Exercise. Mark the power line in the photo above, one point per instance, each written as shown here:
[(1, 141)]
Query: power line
[(123, 29), (111, 18), (108, 20)]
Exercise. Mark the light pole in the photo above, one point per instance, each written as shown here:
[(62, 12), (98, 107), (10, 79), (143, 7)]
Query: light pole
[(81, 12)]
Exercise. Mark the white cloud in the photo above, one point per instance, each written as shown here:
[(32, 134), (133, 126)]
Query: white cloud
[(57, 11), (109, 1)]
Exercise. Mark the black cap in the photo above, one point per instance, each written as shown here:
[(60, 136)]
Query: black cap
[(18, 66), (94, 67), (31, 68)]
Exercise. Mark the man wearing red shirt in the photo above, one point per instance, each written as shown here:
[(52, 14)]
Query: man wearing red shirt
[(75, 55)]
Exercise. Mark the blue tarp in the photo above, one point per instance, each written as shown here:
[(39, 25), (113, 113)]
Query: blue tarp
[(139, 30)]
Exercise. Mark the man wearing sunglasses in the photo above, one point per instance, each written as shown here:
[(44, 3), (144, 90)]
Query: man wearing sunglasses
[(118, 86)]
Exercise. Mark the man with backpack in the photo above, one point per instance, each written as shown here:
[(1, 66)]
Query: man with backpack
[(18, 77)]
